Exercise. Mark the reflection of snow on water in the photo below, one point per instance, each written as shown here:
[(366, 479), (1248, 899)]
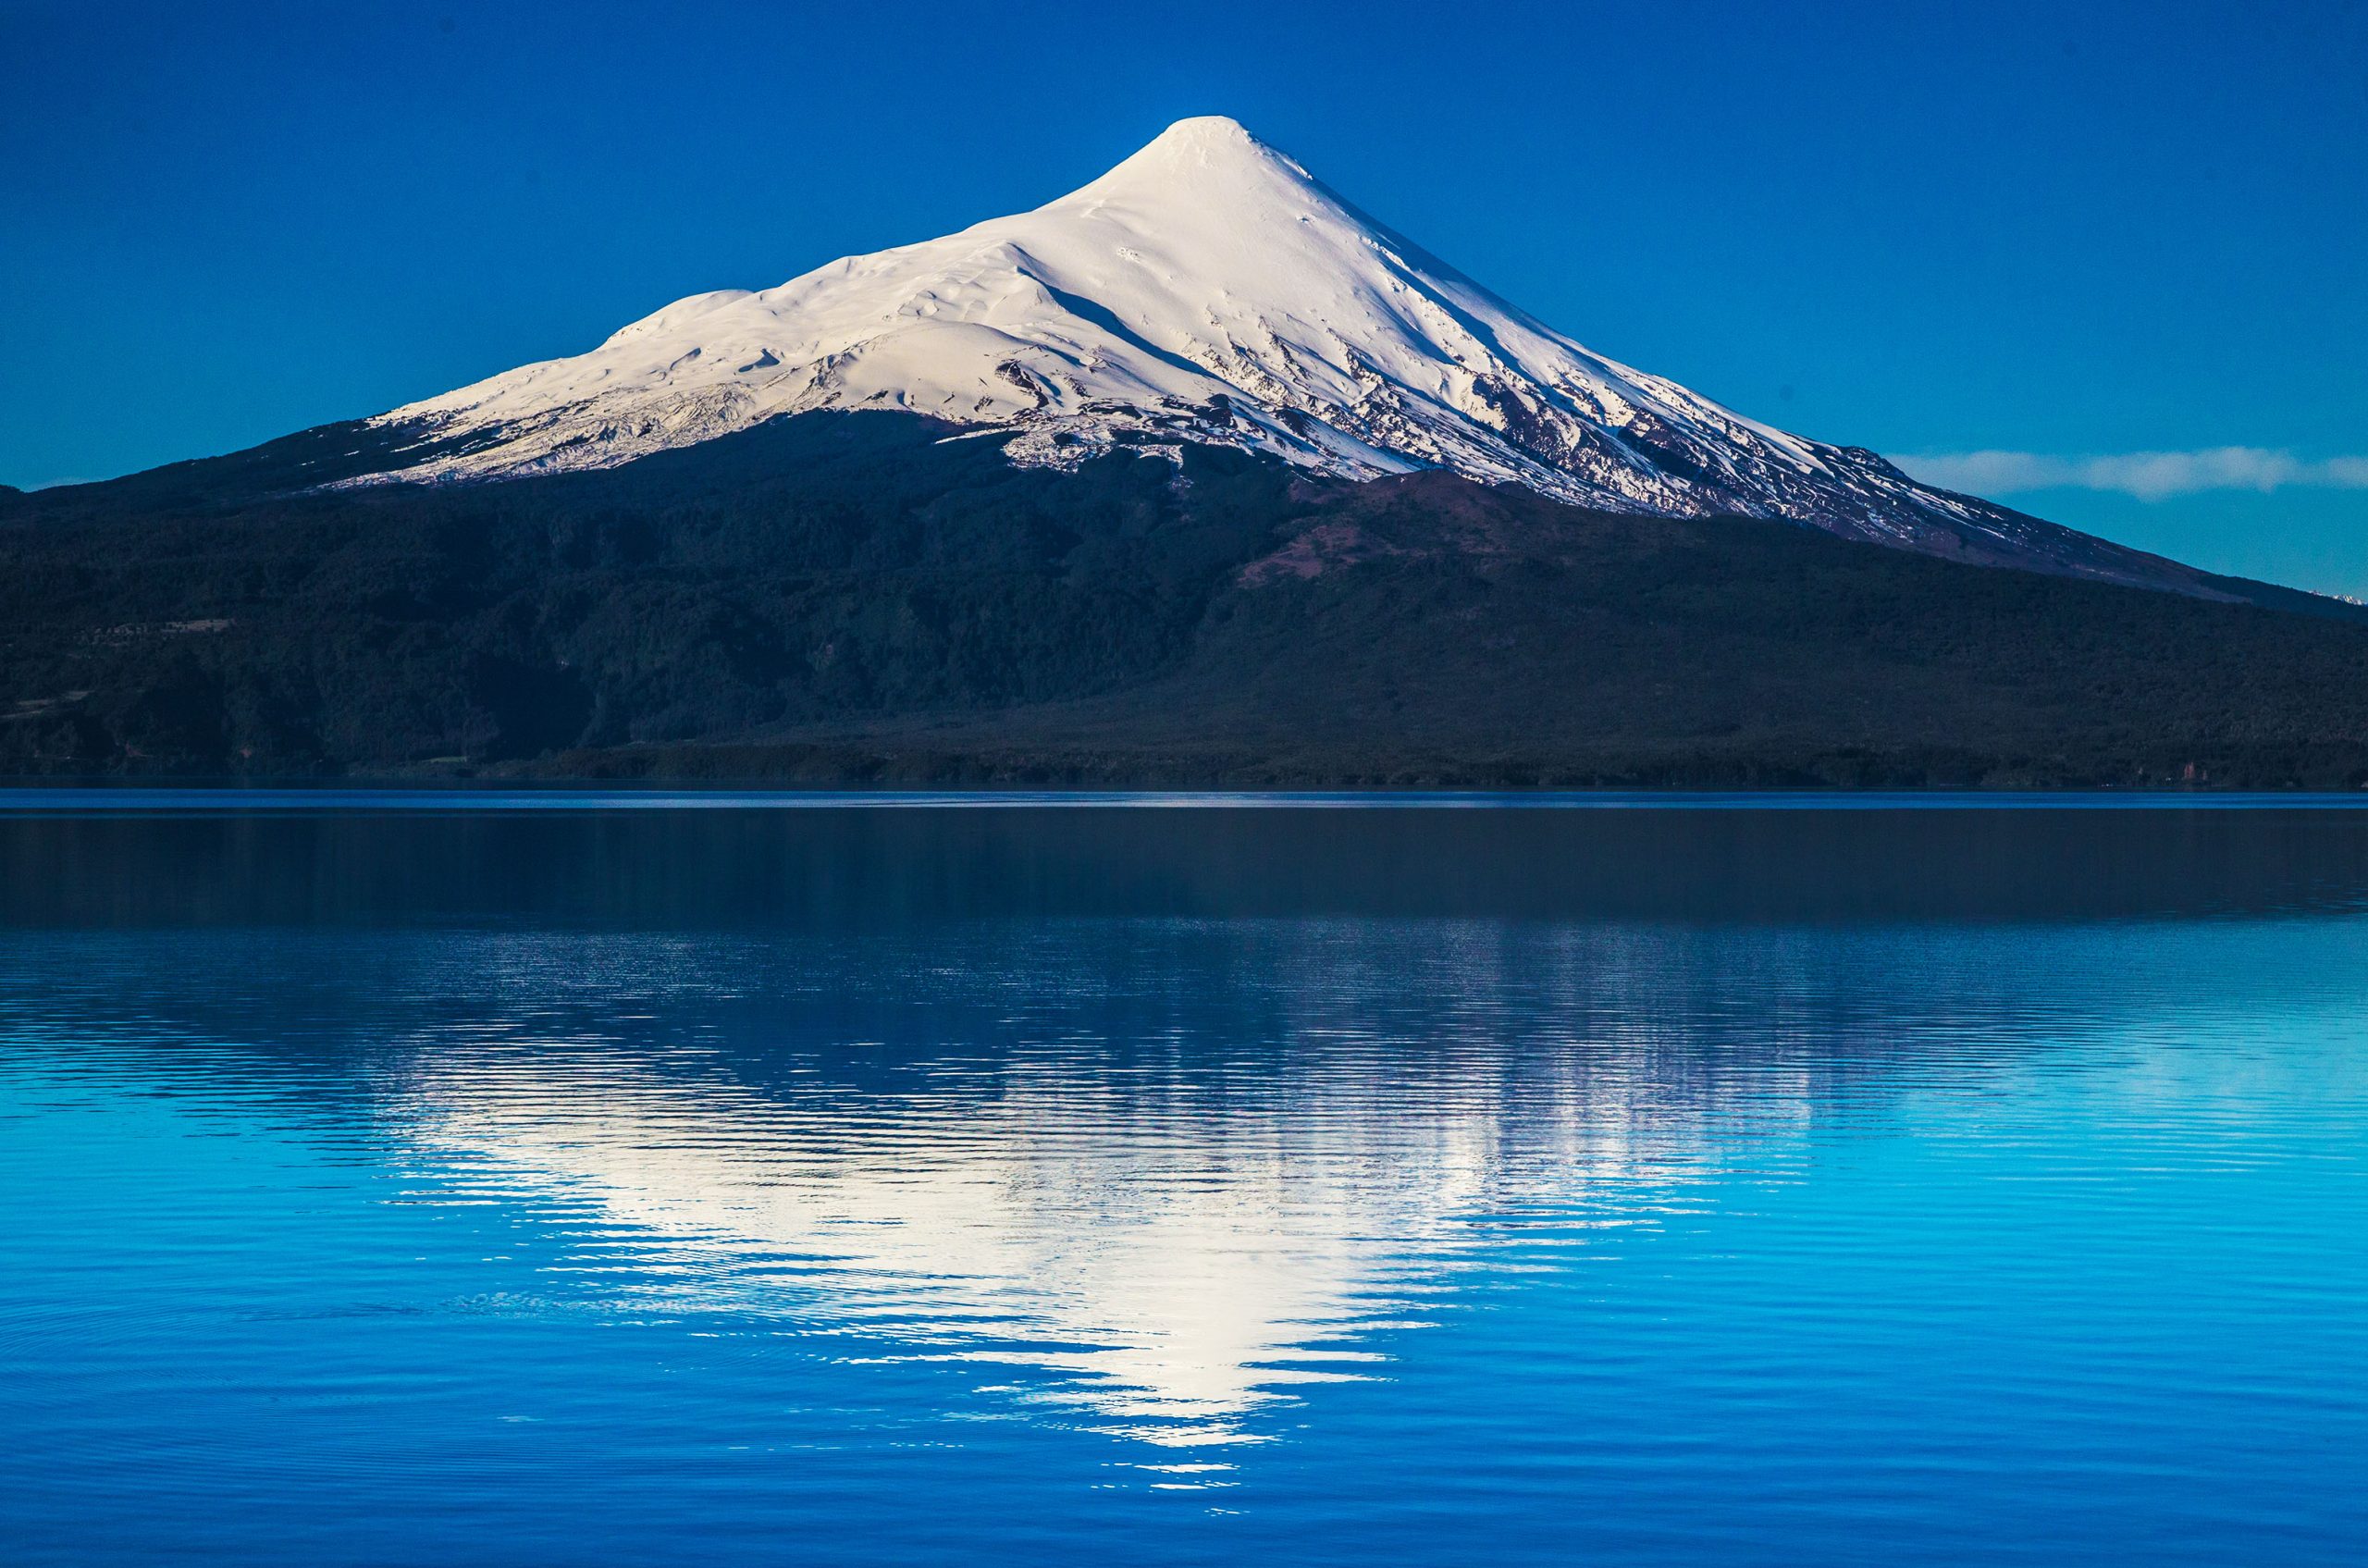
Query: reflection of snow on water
[(1178, 1265)]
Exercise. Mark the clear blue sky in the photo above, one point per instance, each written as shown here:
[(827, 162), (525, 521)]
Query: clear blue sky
[(2061, 232)]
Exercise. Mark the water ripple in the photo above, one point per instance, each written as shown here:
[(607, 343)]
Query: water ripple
[(1332, 1227)]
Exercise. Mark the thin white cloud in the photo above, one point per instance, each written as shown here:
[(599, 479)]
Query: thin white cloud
[(2149, 475)]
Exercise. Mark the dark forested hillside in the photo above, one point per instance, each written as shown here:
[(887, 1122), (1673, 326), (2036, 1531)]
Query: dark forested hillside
[(856, 598)]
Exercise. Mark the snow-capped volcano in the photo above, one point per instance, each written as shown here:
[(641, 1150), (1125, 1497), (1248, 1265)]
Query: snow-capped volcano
[(1206, 290)]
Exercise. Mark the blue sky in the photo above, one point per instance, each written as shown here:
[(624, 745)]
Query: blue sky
[(2060, 237)]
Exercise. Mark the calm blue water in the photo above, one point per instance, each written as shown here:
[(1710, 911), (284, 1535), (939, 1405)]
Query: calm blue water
[(1698, 1185)]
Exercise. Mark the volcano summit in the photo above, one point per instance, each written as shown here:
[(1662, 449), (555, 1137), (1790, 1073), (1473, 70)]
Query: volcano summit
[(1210, 289), (1196, 475)]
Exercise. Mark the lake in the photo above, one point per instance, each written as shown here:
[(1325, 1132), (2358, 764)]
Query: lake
[(473, 1178)]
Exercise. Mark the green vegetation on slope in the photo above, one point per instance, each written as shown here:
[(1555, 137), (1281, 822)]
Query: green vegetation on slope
[(853, 599)]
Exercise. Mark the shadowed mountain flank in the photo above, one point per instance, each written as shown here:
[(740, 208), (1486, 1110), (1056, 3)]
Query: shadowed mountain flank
[(859, 597)]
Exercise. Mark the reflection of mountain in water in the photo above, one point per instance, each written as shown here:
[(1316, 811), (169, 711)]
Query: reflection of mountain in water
[(1179, 1167), (1857, 1215), (1175, 1109), (1176, 1270), (854, 868)]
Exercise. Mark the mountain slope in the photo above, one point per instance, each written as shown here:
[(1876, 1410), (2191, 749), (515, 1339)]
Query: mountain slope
[(1196, 477), (837, 599), (1208, 290)]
